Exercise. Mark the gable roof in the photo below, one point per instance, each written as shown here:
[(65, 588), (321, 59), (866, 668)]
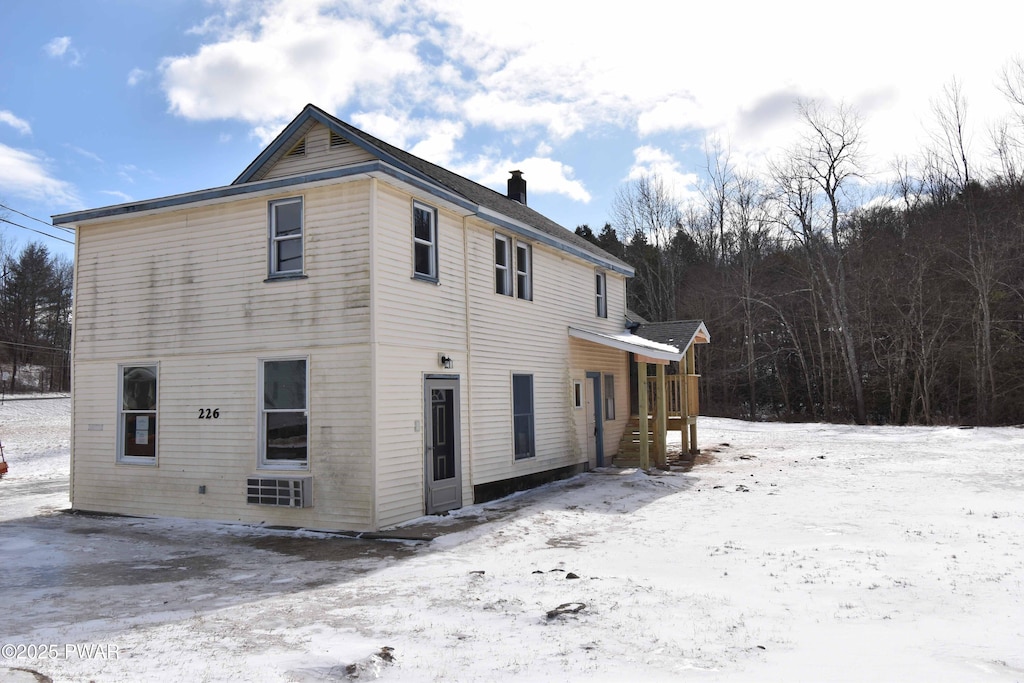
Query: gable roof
[(678, 333), (476, 193), (493, 207)]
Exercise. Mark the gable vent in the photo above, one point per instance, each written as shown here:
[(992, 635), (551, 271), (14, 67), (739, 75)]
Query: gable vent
[(337, 140), (290, 492), (298, 150)]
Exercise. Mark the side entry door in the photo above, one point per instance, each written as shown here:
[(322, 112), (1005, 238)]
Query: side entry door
[(442, 452)]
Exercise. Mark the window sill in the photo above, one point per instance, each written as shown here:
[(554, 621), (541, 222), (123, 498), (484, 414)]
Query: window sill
[(135, 461), (287, 276), (426, 278), (267, 467)]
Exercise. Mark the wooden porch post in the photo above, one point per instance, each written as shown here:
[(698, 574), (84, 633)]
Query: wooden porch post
[(691, 369), (641, 376), (661, 423), (684, 405)]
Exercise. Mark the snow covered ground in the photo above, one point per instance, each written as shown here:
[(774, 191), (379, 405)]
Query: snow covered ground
[(796, 553)]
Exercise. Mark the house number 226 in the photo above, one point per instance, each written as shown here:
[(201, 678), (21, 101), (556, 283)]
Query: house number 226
[(209, 413)]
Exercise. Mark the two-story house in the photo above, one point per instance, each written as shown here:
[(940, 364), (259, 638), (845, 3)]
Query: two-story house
[(345, 337)]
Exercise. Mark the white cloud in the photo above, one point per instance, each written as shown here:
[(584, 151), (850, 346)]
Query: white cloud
[(136, 76), (24, 175), (651, 161), (14, 122), (86, 153), (123, 197), (548, 71), (60, 48), (543, 175), (265, 73)]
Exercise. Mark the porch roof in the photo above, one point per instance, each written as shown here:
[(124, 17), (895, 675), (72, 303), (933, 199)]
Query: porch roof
[(625, 341), (679, 333)]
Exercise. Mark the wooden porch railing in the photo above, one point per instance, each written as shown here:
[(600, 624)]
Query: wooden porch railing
[(674, 395)]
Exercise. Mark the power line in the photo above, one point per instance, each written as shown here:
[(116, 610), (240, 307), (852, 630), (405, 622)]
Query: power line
[(34, 346), (40, 232), (37, 220)]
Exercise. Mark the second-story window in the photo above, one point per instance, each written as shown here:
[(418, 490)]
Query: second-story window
[(513, 267), (503, 265), (424, 241), (601, 291), (524, 270), (286, 237)]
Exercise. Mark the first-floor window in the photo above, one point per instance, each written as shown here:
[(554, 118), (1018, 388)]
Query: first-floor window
[(524, 445), (283, 414), (609, 397), (137, 418), (577, 394)]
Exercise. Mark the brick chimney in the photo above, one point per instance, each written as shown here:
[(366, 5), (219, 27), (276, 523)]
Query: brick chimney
[(517, 187)]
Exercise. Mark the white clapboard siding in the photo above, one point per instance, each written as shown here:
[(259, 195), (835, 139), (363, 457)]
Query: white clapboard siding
[(195, 302), (414, 322), (319, 155), (511, 336)]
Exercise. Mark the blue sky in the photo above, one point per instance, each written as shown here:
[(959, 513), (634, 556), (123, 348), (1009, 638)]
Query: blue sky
[(108, 101)]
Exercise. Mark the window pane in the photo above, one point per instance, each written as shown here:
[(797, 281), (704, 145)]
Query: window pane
[(140, 434), (286, 436), (284, 385), (139, 390), (500, 251), (523, 271), (424, 255), (289, 255), (522, 394), (423, 229), (523, 436), (287, 219)]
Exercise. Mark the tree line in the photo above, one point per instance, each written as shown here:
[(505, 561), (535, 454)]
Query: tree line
[(35, 320), (828, 299)]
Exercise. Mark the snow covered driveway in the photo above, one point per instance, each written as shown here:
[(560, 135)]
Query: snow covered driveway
[(797, 552)]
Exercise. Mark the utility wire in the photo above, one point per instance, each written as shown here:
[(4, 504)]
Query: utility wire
[(37, 220), (33, 346), (44, 234)]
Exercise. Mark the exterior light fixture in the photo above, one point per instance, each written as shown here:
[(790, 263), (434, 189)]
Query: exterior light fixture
[(444, 361)]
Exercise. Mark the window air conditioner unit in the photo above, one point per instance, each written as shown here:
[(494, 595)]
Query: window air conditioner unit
[(289, 492)]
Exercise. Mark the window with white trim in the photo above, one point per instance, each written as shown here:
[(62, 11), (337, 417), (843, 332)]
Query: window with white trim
[(284, 416), (136, 433), (601, 291), (524, 271), (424, 242), (513, 267), (524, 441), (285, 237), (502, 265), (577, 394)]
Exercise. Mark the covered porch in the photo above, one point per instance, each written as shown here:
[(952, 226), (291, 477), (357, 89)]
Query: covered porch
[(663, 388)]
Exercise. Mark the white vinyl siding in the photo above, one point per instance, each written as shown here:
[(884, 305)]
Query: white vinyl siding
[(204, 311), (413, 326), (319, 155), (507, 337)]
